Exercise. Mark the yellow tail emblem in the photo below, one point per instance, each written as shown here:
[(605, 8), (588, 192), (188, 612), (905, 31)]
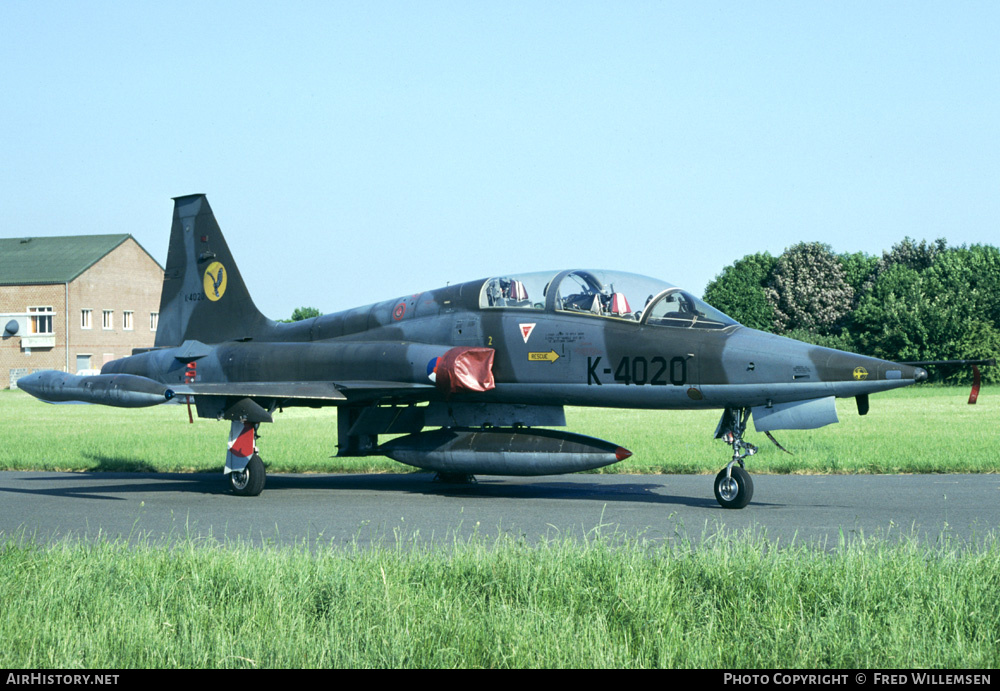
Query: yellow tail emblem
[(215, 280)]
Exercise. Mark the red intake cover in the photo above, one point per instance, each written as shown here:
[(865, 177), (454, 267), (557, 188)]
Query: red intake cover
[(465, 369)]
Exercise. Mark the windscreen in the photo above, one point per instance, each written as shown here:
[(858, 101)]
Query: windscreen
[(680, 309)]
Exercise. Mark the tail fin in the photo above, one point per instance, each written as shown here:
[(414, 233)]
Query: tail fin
[(204, 297)]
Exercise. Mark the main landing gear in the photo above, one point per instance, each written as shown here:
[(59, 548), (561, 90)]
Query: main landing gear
[(733, 484), (244, 468), (248, 482)]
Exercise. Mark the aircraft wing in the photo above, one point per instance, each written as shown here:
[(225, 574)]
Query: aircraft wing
[(315, 391), (253, 402), (375, 390), (333, 392)]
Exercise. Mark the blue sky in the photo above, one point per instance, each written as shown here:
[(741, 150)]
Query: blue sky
[(355, 152)]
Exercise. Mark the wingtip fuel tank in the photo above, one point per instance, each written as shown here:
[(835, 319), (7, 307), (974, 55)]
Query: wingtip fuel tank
[(119, 390)]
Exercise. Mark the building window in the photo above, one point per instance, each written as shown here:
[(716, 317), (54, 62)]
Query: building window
[(154, 320), (85, 319), (109, 319), (127, 320), (41, 320)]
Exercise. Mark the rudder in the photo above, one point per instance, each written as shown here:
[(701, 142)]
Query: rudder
[(204, 297)]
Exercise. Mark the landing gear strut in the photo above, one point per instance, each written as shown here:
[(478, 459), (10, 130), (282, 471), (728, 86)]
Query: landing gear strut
[(733, 485)]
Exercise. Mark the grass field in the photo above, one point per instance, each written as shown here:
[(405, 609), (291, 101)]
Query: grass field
[(736, 603), (915, 430)]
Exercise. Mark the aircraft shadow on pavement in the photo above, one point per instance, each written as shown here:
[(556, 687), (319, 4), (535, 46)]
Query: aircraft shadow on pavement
[(117, 485), (107, 485), (487, 487)]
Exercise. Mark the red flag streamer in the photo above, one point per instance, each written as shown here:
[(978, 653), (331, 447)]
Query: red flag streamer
[(189, 377), (974, 394)]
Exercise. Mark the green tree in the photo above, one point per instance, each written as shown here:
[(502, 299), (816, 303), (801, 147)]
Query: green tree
[(963, 286), (918, 301), (858, 268), (908, 253), (944, 309), (892, 319), (739, 291), (809, 290), (301, 313)]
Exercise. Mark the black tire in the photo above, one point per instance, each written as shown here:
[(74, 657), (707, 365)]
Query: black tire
[(736, 491), (250, 481)]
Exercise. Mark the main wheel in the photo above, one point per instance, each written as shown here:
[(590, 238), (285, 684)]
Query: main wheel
[(735, 491), (248, 482)]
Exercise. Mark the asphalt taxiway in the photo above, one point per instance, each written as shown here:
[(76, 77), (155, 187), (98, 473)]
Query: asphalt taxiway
[(333, 510)]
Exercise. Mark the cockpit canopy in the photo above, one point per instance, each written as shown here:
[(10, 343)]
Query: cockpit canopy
[(609, 294)]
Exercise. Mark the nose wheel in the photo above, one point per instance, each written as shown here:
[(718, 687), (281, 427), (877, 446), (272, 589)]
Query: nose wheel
[(733, 487), (733, 484)]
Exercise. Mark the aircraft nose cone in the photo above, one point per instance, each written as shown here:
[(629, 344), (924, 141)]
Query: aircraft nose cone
[(919, 374)]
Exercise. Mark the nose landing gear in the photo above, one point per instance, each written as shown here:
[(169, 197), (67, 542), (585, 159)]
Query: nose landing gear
[(733, 484)]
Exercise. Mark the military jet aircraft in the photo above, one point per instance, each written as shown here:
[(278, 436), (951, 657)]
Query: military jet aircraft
[(488, 364)]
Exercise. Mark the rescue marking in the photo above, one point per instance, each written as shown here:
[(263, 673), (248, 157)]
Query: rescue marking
[(550, 356), (526, 330)]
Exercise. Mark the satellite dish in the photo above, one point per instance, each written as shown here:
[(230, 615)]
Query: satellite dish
[(11, 327)]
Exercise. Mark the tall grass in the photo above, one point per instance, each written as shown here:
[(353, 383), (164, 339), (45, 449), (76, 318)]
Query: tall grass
[(916, 430), (731, 603)]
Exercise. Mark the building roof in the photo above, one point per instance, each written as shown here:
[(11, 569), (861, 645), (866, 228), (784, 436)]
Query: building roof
[(43, 260)]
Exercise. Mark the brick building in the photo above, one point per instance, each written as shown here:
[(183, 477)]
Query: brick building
[(74, 303)]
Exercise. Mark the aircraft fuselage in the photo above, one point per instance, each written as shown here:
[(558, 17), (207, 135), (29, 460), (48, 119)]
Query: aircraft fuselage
[(541, 356)]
